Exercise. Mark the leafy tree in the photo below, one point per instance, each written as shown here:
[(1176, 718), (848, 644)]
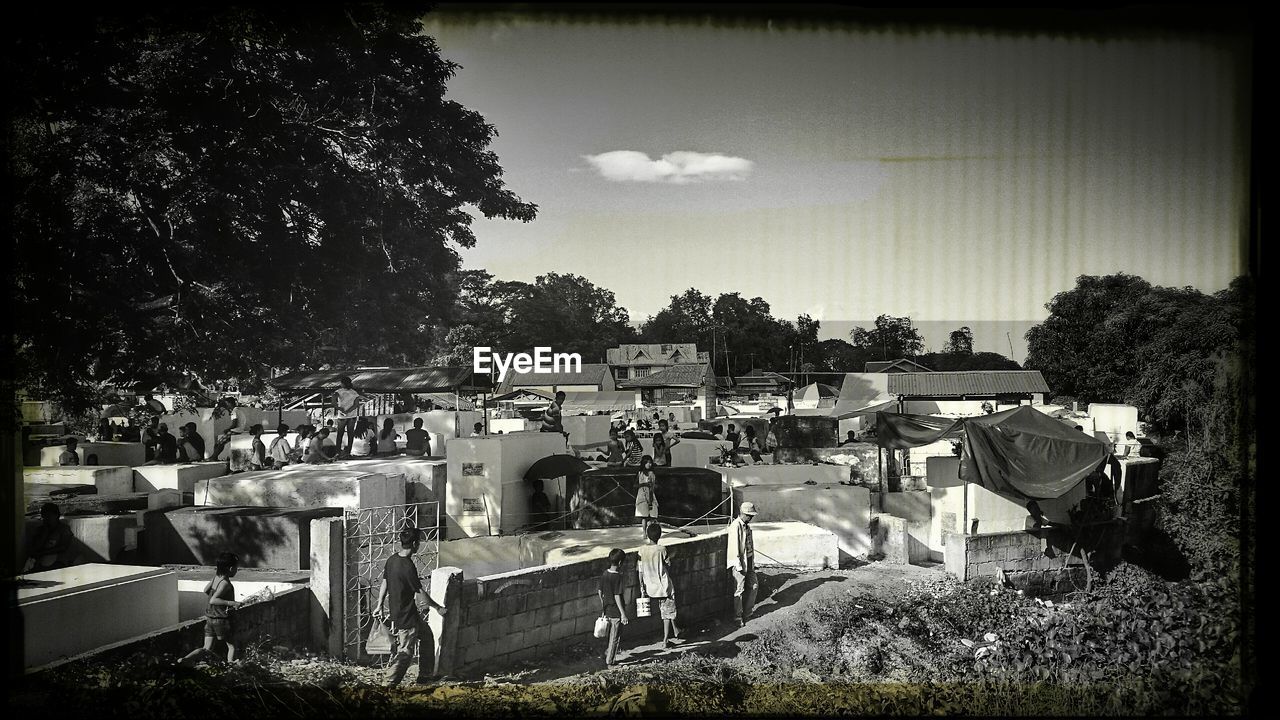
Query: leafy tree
[(686, 319), (951, 362), (755, 338), (836, 355), (890, 339), (567, 313), (223, 191), (1087, 347), (960, 342)]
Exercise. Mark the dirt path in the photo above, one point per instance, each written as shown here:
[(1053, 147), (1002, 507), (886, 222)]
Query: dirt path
[(783, 594)]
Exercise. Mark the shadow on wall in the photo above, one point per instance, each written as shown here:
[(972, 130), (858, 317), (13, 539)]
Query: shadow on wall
[(260, 537)]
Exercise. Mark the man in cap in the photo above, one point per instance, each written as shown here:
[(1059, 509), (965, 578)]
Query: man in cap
[(742, 563)]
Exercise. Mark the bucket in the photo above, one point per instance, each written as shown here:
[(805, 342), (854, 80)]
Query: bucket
[(642, 607)]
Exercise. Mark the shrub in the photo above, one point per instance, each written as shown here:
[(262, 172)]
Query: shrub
[(1199, 507)]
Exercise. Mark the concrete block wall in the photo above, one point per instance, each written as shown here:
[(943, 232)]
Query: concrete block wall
[(973, 556), (523, 614)]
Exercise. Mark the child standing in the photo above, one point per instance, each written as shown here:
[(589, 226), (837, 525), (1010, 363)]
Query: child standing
[(219, 624), (655, 582), (611, 605), (646, 501)]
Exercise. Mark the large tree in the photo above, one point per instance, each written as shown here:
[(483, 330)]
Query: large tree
[(226, 191), (1087, 347), (891, 338), (686, 319), (568, 314), (960, 341)]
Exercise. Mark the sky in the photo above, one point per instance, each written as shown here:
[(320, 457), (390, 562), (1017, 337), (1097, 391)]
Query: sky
[(953, 177)]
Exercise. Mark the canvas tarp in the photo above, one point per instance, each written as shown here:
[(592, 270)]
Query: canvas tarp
[(1020, 453), (863, 393)]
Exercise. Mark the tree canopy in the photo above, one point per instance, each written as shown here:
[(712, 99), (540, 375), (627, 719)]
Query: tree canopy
[(226, 191), (889, 339)]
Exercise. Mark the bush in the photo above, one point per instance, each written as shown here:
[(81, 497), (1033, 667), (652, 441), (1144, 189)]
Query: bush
[(1199, 508)]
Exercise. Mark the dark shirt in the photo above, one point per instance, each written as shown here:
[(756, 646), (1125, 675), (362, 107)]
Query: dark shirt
[(417, 441), (732, 438), (168, 447), (540, 504), (610, 585), (197, 442), (402, 583)]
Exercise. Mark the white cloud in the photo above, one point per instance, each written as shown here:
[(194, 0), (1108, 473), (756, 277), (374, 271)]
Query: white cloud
[(678, 167)]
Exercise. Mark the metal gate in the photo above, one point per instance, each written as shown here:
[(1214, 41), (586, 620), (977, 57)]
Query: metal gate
[(371, 535)]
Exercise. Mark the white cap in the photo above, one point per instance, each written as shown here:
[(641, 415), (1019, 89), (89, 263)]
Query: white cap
[(748, 508)]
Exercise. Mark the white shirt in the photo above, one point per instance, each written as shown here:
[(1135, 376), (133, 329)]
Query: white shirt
[(348, 403)]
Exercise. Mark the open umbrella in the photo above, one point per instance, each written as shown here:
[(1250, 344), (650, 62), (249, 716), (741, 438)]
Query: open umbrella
[(697, 435), (554, 466), (116, 410)]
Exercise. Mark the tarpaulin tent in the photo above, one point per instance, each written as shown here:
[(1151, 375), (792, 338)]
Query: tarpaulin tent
[(1019, 453)]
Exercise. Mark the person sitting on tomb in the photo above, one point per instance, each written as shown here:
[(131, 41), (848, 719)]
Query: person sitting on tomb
[(752, 445), (719, 432), (258, 451), (417, 442), (51, 541), (387, 438), (196, 450), (130, 432), (154, 405), (477, 429), (150, 437), (732, 437), (539, 507), (68, 456), (367, 437), (633, 449), (91, 459), (850, 439), (316, 449), (613, 450), (280, 450), (305, 433), (166, 446)]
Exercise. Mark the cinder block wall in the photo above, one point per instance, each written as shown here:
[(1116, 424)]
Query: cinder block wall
[(1022, 557), (520, 615)]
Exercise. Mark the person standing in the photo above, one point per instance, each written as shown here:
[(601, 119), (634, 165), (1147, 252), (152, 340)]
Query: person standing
[(257, 451), (68, 457), (553, 415), (633, 449), (742, 562), (667, 444), (346, 403), (654, 570), (611, 605), (280, 450), (646, 500), (219, 623), (752, 446), (732, 437), (416, 440), (661, 456), (406, 601)]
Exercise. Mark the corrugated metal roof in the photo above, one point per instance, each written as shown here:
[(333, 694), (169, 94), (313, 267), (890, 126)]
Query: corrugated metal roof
[(591, 374), (382, 380), (957, 384), (675, 376)]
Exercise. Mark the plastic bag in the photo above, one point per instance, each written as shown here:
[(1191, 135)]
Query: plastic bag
[(379, 640), (602, 627)]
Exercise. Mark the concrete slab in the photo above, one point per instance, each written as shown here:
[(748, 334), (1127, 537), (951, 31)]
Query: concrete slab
[(843, 510), (182, 478), (690, 453), (862, 458), (424, 477), (783, 474), (74, 610), (262, 537), (109, 480), (300, 486), (916, 509)]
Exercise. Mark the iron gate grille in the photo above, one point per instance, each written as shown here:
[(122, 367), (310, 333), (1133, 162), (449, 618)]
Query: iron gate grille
[(372, 536)]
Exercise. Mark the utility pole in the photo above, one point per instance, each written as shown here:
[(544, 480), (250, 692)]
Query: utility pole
[(1010, 339)]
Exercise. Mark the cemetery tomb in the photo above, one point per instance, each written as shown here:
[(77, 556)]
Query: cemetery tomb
[(486, 493)]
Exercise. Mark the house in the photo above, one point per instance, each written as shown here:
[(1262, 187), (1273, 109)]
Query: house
[(964, 392), (592, 377), (761, 382), (900, 365), (636, 360), (677, 385)]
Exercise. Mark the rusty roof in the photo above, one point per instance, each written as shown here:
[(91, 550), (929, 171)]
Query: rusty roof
[(963, 383)]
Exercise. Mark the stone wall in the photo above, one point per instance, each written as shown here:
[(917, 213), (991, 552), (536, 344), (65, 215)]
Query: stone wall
[(523, 614)]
